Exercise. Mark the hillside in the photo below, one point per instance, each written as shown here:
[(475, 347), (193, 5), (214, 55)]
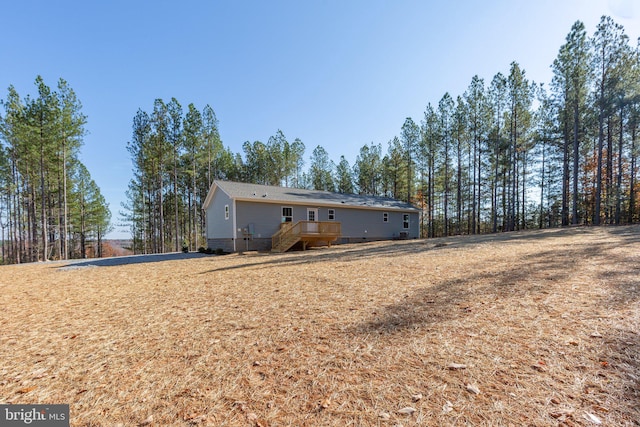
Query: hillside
[(532, 328)]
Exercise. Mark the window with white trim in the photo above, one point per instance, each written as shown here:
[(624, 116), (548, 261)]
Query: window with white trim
[(287, 214), (226, 211), (332, 214), (385, 216)]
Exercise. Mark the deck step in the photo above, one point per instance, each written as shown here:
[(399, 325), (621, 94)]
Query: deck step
[(286, 244), (308, 232)]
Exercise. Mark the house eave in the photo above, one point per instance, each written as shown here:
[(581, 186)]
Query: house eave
[(209, 198), (326, 205)]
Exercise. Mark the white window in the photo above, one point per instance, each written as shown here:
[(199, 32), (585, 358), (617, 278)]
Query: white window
[(287, 214), (226, 211), (385, 216), (405, 221), (332, 214)]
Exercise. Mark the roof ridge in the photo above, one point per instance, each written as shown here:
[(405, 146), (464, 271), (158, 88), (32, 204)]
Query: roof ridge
[(273, 193)]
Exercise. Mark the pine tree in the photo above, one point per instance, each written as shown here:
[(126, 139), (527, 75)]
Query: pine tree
[(321, 170), (72, 123), (158, 155), (213, 145), (570, 84), (41, 139), (194, 147), (295, 160), (428, 144), (607, 43), (344, 177), (395, 171), (175, 142), (410, 137), (634, 125), (548, 155), (459, 127), (479, 123), (368, 170), (445, 113), (519, 93), (141, 188), (497, 104), (13, 130), (92, 217), (41, 116)]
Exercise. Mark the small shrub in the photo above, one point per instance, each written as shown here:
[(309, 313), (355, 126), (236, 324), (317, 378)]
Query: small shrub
[(185, 249), (209, 251), (219, 251), (202, 250)]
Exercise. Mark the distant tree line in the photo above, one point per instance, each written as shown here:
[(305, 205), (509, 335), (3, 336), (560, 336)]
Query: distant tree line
[(176, 156), (505, 155), (50, 208)]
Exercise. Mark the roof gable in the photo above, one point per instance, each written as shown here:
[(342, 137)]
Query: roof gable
[(272, 194)]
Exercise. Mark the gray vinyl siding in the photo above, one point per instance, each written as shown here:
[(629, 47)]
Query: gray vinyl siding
[(217, 226), (357, 224), (265, 217), (368, 224)]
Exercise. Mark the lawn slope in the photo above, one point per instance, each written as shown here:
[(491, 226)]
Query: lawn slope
[(530, 328)]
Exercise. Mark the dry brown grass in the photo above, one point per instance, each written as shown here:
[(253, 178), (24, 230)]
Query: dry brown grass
[(546, 324)]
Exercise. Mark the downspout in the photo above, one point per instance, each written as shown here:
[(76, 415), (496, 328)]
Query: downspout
[(235, 229)]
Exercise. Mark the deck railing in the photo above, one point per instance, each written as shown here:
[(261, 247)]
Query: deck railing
[(307, 231)]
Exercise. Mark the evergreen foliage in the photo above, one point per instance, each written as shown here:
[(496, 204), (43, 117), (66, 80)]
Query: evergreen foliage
[(503, 156), (508, 154), (50, 208)]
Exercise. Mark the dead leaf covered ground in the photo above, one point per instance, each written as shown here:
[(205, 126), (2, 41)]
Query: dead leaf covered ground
[(519, 329)]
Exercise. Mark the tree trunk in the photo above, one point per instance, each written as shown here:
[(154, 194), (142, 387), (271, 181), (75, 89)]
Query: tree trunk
[(65, 222), (494, 192), (524, 190), (618, 190), (632, 194), (459, 190), (161, 212), (446, 188), (576, 128), (43, 206), (175, 196), (83, 249), (541, 220), (598, 197), (609, 176), (430, 188)]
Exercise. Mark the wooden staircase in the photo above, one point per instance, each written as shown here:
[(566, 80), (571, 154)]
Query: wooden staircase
[(307, 232)]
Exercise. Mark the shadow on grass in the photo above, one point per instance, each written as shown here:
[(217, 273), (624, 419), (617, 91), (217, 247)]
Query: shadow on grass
[(623, 361), (443, 301), (360, 251), (630, 234), (623, 356), (624, 274), (451, 299)]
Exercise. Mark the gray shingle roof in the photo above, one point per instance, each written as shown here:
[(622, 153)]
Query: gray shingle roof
[(268, 193)]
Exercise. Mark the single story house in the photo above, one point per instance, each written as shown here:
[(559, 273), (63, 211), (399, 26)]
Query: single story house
[(242, 216)]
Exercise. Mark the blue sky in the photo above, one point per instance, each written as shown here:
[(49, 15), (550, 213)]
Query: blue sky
[(335, 73)]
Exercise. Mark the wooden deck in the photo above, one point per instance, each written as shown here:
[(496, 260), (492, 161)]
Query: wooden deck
[(308, 232)]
